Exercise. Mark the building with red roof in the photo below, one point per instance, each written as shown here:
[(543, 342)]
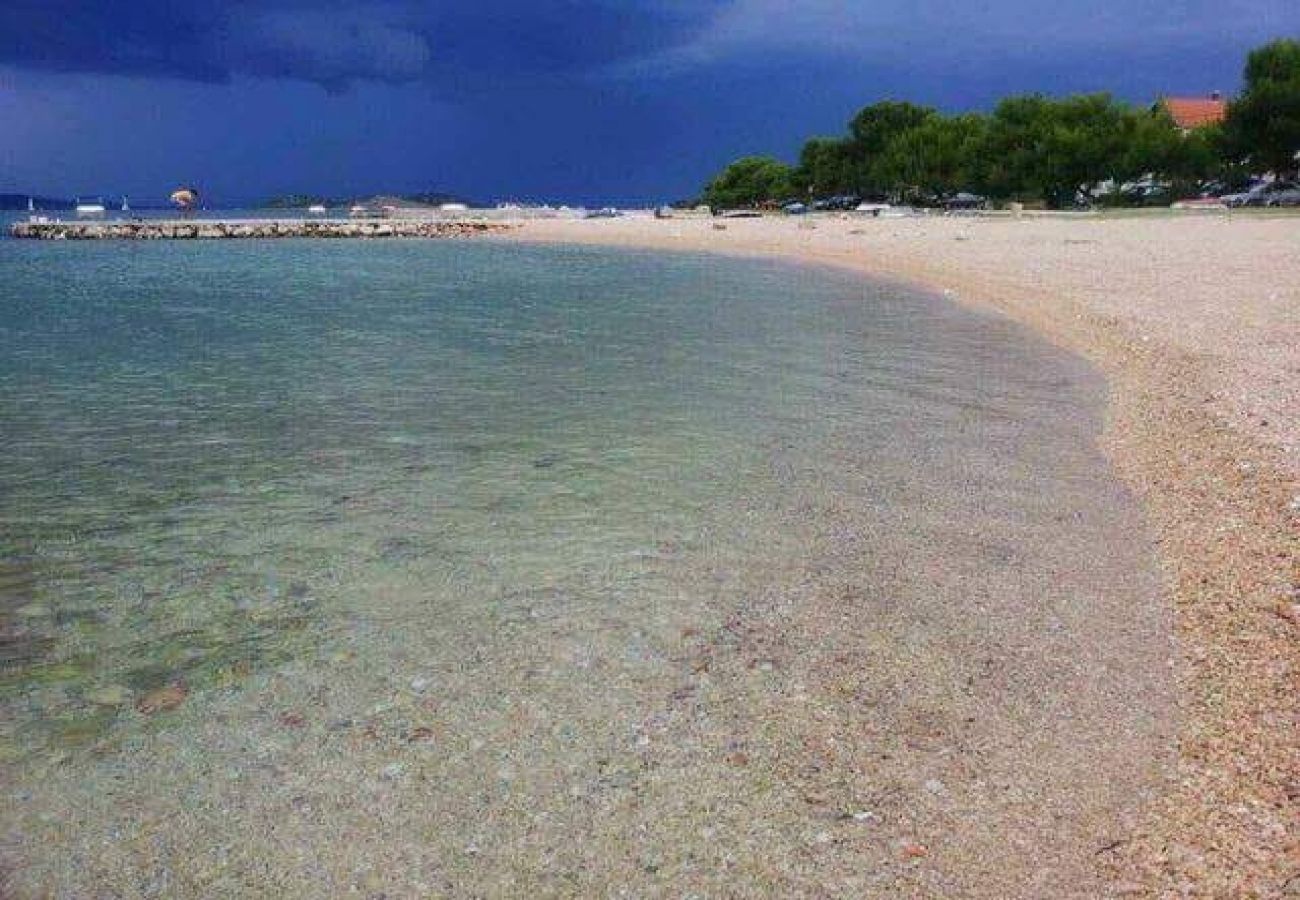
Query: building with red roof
[(1196, 112)]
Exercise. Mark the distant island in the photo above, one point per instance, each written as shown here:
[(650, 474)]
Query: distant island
[(302, 201)]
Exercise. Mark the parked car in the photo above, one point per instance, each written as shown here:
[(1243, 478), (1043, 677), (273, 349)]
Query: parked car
[(963, 200), (1148, 194), (608, 212), (1284, 196), (873, 209), (1261, 195), (841, 202), (794, 208)]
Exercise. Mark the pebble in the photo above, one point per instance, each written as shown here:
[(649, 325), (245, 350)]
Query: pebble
[(915, 851), (935, 786), (162, 699), (1289, 611), (420, 684), (393, 771)]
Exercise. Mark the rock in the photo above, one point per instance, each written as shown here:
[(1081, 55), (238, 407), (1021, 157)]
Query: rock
[(33, 611), (421, 735), (912, 850), (112, 695), (165, 229), (1289, 611), (163, 699), (393, 771), (935, 786)]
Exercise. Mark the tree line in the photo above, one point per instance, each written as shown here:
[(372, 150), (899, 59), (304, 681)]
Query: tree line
[(1037, 148)]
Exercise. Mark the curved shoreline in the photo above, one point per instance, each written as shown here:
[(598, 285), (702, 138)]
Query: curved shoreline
[(835, 596), (1184, 432)]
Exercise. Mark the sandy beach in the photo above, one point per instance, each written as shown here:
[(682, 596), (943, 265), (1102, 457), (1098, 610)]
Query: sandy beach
[(675, 575), (1195, 322)]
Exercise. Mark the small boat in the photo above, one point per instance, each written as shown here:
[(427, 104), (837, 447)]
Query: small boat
[(873, 209), (316, 209), (125, 206), (89, 208), (31, 204)]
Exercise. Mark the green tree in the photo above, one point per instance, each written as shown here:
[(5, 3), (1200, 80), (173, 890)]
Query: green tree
[(1263, 125), (825, 167), (1157, 146), (750, 181), (1056, 149), (871, 131), (934, 158), (876, 125)]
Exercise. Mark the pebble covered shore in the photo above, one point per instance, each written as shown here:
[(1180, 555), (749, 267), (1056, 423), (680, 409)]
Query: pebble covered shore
[(173, 229)]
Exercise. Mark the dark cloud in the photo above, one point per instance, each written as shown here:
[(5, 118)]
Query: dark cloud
[(334, 43), (142, 37)]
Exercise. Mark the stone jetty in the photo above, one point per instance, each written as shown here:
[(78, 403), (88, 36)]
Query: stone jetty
[(213, 229)]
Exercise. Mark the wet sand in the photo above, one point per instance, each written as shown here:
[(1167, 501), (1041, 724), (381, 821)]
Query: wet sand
[(1197, 328)]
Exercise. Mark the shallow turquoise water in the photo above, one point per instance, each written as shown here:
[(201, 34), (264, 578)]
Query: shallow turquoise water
[(202, 442), (552, 561)]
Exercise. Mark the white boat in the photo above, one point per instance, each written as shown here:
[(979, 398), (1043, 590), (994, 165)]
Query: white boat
[(31, 204), (125, 207), (316, 209), (90, 208)]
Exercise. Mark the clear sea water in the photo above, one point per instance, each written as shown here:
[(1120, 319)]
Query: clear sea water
[(200, 442), (316, 484)]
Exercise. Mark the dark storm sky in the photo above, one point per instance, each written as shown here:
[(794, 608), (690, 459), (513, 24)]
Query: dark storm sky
[(580, 100)]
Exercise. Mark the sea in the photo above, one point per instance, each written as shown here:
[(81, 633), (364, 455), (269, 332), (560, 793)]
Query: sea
[(399, 567)]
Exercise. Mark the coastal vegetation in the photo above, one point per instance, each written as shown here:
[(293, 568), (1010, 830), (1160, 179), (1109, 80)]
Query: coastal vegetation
[(1031, 147)]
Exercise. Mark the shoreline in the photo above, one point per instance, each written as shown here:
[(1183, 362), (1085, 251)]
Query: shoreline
[(1200, 425), (662, 624)]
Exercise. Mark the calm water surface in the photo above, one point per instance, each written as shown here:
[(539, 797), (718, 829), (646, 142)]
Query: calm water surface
[(202, 443), (460, 530)]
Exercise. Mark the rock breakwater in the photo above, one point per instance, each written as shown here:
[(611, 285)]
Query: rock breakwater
[(249, 228)]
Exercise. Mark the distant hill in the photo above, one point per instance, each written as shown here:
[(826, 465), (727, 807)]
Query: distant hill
[(409, 201)]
